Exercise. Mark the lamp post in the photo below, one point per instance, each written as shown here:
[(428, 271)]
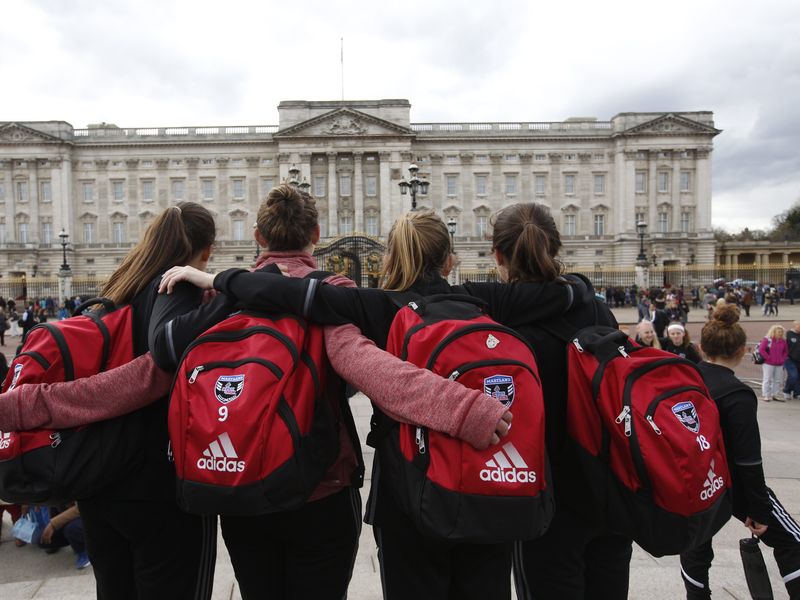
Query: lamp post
[(641, 229), (451, 228), (413, 185), (65, 273), (641, 278)]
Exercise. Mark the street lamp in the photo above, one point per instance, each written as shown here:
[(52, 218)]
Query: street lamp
[(655, 259), (641, 229), (64, 237), (451, 229), (414, 184)]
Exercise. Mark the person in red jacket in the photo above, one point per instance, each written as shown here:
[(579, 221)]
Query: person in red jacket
[(775, 351)]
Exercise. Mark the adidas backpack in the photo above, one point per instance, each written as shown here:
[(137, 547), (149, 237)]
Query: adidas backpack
[(253, 416), (47, 466), (451, 490), (648, 435)]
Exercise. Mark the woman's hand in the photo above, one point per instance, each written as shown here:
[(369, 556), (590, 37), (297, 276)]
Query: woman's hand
[(502, 428), (201, 279), (758, 529)]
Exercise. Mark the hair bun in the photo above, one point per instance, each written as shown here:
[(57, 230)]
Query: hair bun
[(727, 314)]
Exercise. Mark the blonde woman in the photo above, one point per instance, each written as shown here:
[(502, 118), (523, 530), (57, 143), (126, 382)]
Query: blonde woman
[(646, 335), (775, 350)]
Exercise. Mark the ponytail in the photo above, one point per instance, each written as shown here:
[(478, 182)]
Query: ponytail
[(418, 247), (527, 237), (173, 238)]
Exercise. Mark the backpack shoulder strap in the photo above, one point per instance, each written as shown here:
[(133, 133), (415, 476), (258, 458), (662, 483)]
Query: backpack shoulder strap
[(320, 275)]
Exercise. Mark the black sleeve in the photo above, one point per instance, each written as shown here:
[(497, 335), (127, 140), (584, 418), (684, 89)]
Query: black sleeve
[(743, 446), (371, 309), (178, 318), (518, 304)]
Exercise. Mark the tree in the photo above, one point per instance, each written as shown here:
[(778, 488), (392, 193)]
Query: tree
[(787, 225)]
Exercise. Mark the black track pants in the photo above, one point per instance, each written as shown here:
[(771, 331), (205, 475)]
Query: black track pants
[(783, 536), (296, 555), (572, 561), (149, 550), (419, 568)]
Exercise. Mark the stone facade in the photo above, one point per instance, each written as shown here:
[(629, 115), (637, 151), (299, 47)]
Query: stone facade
[(104, 184)]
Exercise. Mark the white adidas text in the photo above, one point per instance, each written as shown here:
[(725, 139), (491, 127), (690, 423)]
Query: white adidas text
[(507, 466)]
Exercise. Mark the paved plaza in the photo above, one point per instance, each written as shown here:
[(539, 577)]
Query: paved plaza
[(29, 574)]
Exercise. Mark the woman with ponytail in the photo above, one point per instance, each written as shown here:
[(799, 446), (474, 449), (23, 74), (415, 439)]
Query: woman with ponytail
[(418, 260), (724, 344), (142, 547)]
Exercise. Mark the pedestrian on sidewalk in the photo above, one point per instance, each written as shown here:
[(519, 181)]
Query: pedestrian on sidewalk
[(723, 341), (775, 351), (791, 389)]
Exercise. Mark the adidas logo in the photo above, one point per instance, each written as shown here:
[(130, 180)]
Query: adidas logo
[(5, 440), (712, 484), (220, 456), (507, 466)]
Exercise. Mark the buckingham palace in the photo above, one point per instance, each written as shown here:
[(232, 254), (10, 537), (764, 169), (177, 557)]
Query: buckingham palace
[(86, 195)]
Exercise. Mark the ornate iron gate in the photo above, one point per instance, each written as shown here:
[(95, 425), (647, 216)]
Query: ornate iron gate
[(358, 257)]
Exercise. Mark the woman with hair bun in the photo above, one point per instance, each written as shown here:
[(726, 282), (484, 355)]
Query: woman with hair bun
[(724, 343), (575, 559)]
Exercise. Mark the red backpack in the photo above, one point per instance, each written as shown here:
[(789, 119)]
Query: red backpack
[(648, 435), (451, 490), (254, 416), (56, 466)]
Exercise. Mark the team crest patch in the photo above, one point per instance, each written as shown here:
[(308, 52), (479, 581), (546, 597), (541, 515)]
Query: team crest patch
[(229, 387), (17, 373), (687, 414), (500, 387), (491, 342)]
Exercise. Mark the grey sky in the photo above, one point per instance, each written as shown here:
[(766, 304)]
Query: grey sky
[(182, 62)]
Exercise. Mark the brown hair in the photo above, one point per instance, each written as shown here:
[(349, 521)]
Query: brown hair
[(722, 336), (527, 237), (176, 235), (418, 247), (287, 218)]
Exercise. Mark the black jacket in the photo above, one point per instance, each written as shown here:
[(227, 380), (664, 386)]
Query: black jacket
[(793, 340), (689, 352), (737, 405), (522, 306)]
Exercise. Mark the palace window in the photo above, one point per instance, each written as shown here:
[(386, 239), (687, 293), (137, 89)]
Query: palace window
[(47, 232), (148, 187), (22, 191), (118, 232), (686, 181), (372, 225), (207, 190), (452, 182), (177, 189), (267, 183), (23, 233), (345, 224), (319, 186), (641, 182), (344, 185), (88, 233), (685, 222), (118, 190), (480, 184), (599, 184), (599, 224), (569, 225), (88, 191), (481, 225), (511, 184), (663, 181), (539, 184), (238, 188), (663, 222), (45, 191), (569, 184), (237, 230), (370, 185)]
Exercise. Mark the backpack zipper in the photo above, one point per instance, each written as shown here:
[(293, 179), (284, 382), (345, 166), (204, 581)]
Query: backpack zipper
[(471, 329), (630, 431), (276, 370)]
